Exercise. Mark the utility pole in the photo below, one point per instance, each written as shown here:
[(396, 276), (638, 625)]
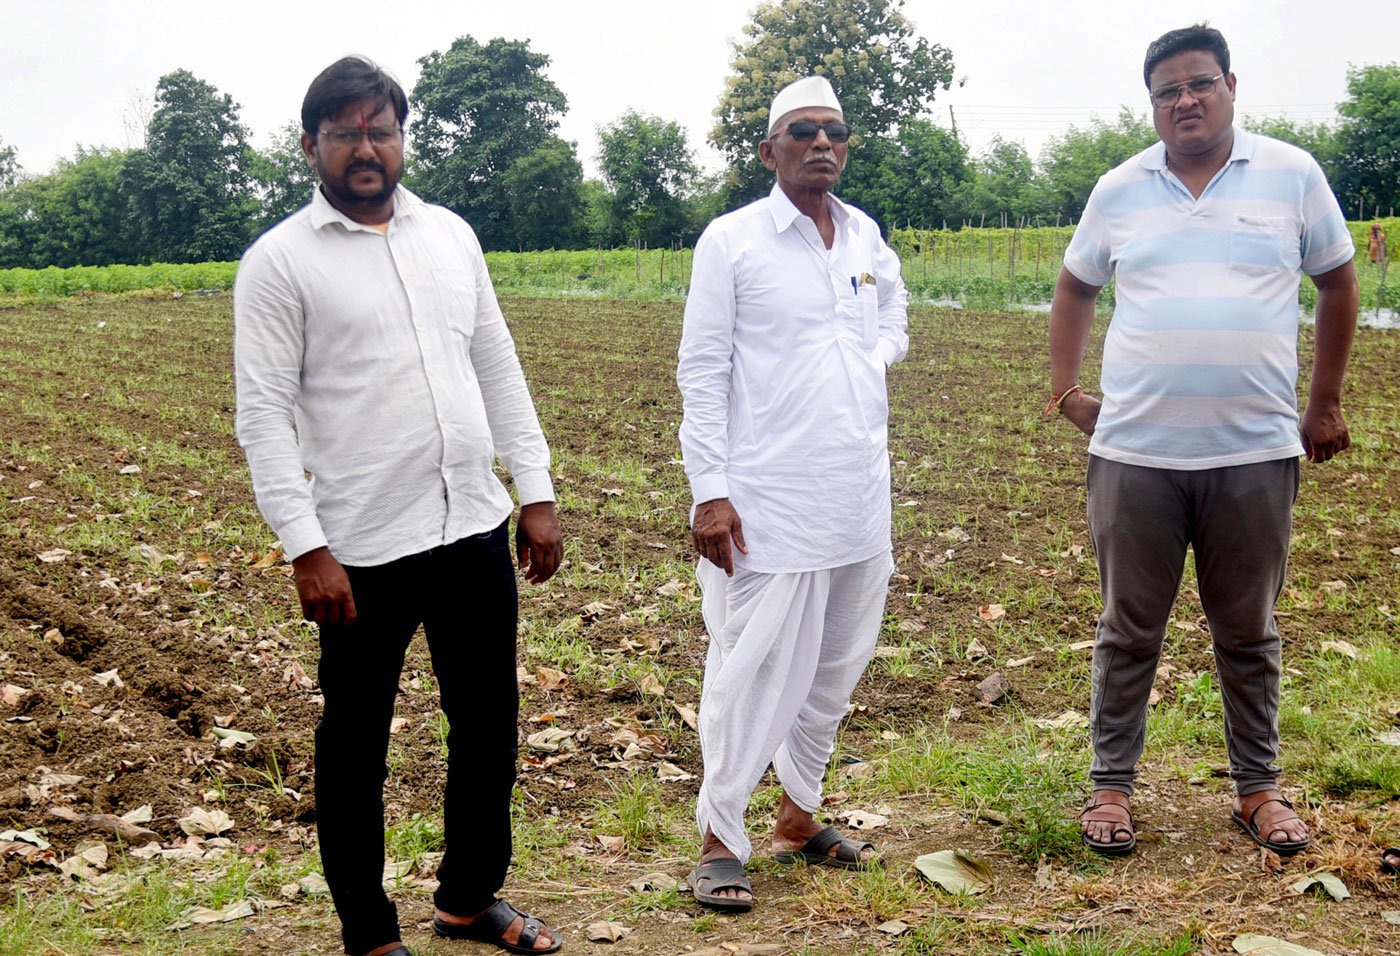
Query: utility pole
[(954, 120)]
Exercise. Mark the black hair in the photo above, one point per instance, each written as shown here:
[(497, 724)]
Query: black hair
[(344, 82), (1199, 36)]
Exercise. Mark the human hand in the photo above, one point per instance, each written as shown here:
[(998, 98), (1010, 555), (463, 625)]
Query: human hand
[(716, 524), (539, 541), (1324, 431), (1082, 410), (324, 588)]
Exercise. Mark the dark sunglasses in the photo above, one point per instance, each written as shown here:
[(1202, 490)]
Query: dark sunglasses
[(804, 131)]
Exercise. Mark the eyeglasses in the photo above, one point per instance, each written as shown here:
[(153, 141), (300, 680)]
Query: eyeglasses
[(804, 131), (1202, 86), (381, 137)]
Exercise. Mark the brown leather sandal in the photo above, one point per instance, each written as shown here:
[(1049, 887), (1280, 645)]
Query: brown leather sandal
[(1114, 847), (1281, 847)]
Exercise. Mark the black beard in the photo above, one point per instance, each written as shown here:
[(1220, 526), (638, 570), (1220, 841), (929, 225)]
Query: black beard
[(353, 199)]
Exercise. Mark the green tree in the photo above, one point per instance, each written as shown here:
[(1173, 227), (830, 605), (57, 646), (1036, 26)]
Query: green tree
[(1005, 182), (1368, 140), (543, 192), (647, 164), (282, 179), (481, 109), (191, 181), (10, 171), (918, 177), (1072, 162), (1320, 139), (78, 214), (882, 72)]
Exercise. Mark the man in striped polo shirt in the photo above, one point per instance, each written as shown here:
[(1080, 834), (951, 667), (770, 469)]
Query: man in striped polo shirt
[(1197, 437)]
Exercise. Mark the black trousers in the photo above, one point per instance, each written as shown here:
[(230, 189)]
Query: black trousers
[(464, 596)]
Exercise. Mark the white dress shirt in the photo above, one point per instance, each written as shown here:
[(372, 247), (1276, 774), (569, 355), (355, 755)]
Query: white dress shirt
[(782, 372), (380, 365)]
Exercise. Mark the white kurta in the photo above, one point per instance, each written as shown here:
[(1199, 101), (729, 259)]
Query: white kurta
[(782, 372)]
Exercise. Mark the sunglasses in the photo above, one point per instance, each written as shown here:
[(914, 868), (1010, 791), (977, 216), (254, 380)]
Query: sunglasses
[(804, 131)]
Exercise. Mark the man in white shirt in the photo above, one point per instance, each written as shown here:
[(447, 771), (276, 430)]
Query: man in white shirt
[(1197, 439), (370, 353), (796, 308)]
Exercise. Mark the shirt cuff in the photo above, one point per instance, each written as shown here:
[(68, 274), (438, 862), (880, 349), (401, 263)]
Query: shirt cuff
[(888, 351), (300, 536), (533, 486), (705, 488)]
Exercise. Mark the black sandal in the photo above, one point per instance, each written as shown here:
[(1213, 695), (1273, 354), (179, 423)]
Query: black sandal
[(817, 852), (1390, 860), (491, 925), (721, 873)]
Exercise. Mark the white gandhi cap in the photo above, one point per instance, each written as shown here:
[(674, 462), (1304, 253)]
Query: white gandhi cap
[(813, 91)]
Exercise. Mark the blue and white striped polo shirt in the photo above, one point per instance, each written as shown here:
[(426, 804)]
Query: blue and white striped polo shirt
[(1200, 363)]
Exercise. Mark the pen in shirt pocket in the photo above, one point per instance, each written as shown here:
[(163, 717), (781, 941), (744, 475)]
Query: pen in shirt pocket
[(855, 286)]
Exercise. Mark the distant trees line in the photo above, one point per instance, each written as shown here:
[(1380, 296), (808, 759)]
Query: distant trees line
[(483, 141)]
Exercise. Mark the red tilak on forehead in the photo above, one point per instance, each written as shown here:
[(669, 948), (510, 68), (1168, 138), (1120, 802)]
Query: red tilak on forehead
[(363, 125)]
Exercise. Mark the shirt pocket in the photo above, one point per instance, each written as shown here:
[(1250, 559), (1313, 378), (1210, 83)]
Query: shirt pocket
[(1259, 245), (456, 292), (868, 302)]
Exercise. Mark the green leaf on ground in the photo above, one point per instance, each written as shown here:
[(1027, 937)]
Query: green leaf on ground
[(1329, 882), (1253, 944), (955, 871)]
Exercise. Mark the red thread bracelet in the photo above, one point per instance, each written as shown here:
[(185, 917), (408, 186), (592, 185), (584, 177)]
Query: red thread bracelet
[(1057, 400)]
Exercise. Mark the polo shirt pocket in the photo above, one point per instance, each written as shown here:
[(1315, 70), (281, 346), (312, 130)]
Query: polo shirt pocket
[(1258, 245), (456, 290)]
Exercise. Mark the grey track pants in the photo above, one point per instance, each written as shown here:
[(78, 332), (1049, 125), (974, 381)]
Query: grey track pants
[(1238, 521)]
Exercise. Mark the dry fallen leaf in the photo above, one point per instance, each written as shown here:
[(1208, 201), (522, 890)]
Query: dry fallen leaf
[(862, 820), (593, 610), (1340, 647), (606, 931), (976, 651), (1082, 645), (109, 679), (53, 555), (689, 716), (670, 773), (550, 740), (549, 679), (649, 684), (991, 612), (202, 822), (1067, 719)]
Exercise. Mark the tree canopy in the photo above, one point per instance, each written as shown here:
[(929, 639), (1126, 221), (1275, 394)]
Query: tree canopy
[(481, 109), (1073, 161), (883, 73), (191, 184), (282, 178), (647, 165), (1368, 138)]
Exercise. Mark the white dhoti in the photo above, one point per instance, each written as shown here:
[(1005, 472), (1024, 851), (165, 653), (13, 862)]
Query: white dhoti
[(786, 651)]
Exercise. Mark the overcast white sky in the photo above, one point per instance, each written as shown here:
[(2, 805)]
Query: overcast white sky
[(70, 69)]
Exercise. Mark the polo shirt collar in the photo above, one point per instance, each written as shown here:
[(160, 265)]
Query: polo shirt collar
[(323, 213), (784, 213), (1155, 156)]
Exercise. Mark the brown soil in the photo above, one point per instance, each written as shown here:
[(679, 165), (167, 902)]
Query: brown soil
[(208, 636)]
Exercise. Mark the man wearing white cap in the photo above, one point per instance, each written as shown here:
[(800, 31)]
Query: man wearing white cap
[(796, 309)]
